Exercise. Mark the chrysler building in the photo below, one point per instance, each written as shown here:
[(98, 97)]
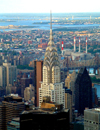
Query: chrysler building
[(51, 85)]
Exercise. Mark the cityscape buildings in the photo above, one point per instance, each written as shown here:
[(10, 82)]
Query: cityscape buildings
[(45, 84)]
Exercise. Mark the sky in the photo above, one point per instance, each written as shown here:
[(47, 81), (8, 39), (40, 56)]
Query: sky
[(44, 6)]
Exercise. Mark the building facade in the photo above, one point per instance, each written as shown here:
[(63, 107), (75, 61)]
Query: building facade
[(68, 101), (2, 76), (70, 84), (11, 107), (11, 73), (14, 124), (29, 93), (83, 91), (38, 77), (92, 119), (44, 120)]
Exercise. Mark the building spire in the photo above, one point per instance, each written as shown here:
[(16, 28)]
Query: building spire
[(50, 19), (51, 37)]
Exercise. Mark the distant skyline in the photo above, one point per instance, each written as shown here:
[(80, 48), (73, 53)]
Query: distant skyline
[(44, 6)]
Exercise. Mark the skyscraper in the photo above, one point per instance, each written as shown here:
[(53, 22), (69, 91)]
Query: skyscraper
[(51, 85), (92, 119), (11, 73), (83, 91), (38, 67), (29, 93), (70, 84), (11, 107), (2, 76)]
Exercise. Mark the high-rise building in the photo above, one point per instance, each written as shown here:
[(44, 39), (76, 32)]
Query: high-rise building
[(11, 73), (2, 93), (94, 97), (8, 89), (11, 107), (92, 119), (70, 84), (38, 67), (2, 76), (83, 91), (29, 93), (51, 85), (1, 117), (44, 120), (68, 101), (14, 124), (25, 81)]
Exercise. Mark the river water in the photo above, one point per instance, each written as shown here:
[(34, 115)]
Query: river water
[(30, 19), (98, 89)]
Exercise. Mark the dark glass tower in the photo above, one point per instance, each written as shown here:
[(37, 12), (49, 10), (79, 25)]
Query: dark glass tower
[(83, 91)]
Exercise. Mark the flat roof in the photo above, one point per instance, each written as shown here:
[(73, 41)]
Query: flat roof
[(97, 110), (43, 111)]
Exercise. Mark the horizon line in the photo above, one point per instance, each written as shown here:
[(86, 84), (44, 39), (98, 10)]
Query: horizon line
[(44, 12)]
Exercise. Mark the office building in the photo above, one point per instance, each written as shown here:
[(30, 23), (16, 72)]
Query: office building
[(92, 119), (2, 76), (11, 73), (2, 93), (14, 124), (44, 120), (51, 85), (94, 97), (11, 107), (1, 117), (38, 67), (8, 89), (68, 101), (29, 93), (25, 81), (83, 91), (70, 84)]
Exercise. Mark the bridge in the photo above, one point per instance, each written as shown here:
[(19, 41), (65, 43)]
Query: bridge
[(74, 64)]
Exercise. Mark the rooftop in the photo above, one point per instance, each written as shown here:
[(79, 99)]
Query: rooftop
[(43, 111), (96, 110)]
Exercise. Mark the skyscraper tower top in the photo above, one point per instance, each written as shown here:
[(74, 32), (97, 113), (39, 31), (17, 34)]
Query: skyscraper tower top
[(51, 56), (51, 61)]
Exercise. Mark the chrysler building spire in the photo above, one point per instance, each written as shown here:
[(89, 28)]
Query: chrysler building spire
[(51, 56), (51, 36), (51, 43)]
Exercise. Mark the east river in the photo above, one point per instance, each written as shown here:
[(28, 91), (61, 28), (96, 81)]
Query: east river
[(36, 20), (98, 89)]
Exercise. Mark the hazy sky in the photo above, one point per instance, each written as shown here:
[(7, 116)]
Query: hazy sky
[(44, 6)]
